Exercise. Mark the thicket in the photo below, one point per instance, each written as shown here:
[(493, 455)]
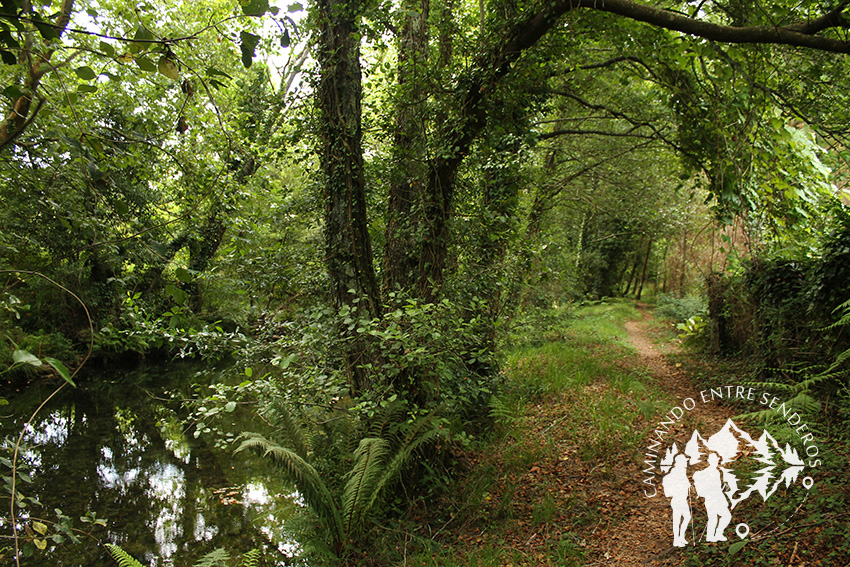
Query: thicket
[(787, 313)]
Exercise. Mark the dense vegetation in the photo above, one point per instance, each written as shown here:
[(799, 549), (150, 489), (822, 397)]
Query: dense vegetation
[(361, 204)]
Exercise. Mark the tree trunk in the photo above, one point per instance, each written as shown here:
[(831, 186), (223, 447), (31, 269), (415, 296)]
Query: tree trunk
[(500, 196), (643, 272), (632, 275), (22, 112), (348, 248), (404, 211)]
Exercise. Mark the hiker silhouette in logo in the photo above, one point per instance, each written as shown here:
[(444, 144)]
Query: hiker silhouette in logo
[(676, 487), (709, 485)]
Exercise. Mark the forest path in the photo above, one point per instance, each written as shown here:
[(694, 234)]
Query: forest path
[(645, 536)]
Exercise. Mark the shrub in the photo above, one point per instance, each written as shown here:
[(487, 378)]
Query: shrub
[(681, 308)]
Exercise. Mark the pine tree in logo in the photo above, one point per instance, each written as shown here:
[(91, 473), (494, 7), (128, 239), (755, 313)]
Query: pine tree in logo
[(705, 467)]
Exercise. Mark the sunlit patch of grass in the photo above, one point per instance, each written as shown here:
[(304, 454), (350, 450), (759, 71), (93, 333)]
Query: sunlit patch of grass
[(591, 346)]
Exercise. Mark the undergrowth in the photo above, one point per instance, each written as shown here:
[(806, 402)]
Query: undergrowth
[(803, 526), (574, 405)]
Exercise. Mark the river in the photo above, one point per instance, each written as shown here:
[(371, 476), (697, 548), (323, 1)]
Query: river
[(116, 448)]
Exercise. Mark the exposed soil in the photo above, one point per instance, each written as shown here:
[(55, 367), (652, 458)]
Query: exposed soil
[(645, 536)]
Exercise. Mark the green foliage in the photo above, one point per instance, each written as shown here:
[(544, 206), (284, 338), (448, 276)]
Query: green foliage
[(680, 308), (251, 558), (344, 505), (216, 558), (123, 558), (694, 329)]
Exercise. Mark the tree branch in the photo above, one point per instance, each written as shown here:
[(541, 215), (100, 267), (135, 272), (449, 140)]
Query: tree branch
[(799, 34), (574, 132)]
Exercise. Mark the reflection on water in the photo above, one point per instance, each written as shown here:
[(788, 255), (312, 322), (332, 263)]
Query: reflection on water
[(168, 498)]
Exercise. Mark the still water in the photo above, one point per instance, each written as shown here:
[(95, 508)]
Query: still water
[(112, 448)]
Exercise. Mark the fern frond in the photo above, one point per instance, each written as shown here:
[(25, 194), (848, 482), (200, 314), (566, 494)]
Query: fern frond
[(123, 558), (305, 477), (291, 428), (251, 558), (368, 461), (391, 414), (802, 402), (844, 319), (423, 431), (500, 411), (216, 558), (836, 367)]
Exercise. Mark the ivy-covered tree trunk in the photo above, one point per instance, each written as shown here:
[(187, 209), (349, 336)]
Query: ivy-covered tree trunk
[(348, 249), (500, 198), (404, 210)]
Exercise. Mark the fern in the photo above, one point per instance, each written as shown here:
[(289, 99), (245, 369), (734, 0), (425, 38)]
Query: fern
[(123, 558), (386, 422), (500, 411), (368, 461), (378, 460), (251, 558), (305, 477), (216, 558), (421, 432), (290, 428)]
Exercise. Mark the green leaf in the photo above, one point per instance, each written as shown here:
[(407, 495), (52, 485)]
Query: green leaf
[(61, 369), (255, 7), (40, 543), (213, 72), (288, 360), (249, 371), (85, 73), (177, 294), (7, 39), (248, 46), (183, 275), (47, 31), (284, 39), (8, 57), (39, 528), (87, 89), (13, 92), (121, 208), (736, 547), (94, 172), (21, 356), (146, 64), (107, 49), (142, 40), (296, 7), (168, 68), (230, 406)]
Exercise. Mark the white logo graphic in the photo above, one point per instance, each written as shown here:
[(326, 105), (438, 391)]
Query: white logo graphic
[(713, 480)]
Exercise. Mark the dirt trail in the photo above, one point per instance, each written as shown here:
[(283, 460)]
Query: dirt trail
[(645, 536)]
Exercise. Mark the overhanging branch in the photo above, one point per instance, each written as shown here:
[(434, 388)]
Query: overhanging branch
[(799, 34)]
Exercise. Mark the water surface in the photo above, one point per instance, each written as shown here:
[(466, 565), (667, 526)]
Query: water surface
[(112, 448)]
